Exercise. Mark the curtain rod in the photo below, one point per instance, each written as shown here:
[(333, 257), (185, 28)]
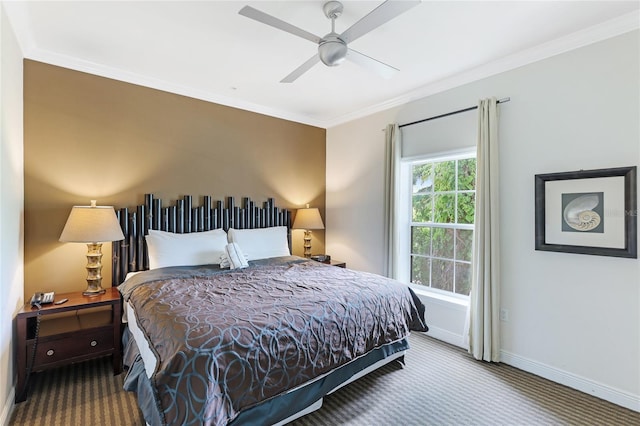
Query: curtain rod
[(500, 101)]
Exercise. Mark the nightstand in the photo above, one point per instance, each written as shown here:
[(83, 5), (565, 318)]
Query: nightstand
[(321, 258), (83, 328)]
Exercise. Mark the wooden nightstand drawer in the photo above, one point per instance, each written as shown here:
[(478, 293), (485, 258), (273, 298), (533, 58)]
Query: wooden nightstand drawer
[(70, 347)]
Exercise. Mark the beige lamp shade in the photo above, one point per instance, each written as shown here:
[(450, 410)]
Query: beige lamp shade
[(91, 224), (308, 218)]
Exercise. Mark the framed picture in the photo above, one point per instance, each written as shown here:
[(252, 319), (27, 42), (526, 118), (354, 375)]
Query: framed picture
[(587, 212)]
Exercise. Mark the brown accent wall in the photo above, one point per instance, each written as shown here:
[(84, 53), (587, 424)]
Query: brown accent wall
[(89, 137)]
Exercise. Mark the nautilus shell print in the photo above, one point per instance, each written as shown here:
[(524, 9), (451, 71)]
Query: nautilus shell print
[(579, 214)]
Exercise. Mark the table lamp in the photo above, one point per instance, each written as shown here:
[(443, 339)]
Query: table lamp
[(308, 219), (92, 225)]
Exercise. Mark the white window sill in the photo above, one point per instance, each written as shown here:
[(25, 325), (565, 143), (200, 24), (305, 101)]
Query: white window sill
[(439, 297)]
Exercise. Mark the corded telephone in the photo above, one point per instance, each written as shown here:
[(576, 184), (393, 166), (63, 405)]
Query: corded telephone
[(42, 298), (37, 300)]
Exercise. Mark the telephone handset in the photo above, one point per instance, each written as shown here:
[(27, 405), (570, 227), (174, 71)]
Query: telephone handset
[(42, 298)]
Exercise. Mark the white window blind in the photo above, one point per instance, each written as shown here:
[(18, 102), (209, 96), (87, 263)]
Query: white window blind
[(442, 135)]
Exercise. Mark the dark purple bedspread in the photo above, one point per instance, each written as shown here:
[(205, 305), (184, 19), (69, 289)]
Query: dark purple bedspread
[(227, 340)]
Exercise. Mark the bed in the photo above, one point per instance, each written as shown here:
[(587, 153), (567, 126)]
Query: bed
[(224, 326)]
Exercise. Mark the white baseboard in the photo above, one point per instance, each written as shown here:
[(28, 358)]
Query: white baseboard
[(8, 407), (615, 396), (446, 336)]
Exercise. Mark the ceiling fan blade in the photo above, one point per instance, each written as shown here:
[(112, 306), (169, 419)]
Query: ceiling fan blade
[(380, 68), (301, 69), (378, 16), (259, 16)]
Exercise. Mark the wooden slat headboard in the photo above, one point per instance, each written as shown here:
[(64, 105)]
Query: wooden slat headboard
[(130, 254)]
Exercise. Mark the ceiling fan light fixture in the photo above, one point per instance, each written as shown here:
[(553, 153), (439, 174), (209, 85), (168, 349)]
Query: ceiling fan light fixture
[(332, 51)]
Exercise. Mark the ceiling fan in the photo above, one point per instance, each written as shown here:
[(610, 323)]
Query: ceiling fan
[(333, 48)]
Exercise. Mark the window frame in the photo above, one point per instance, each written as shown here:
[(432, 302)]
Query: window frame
[(405, 217)]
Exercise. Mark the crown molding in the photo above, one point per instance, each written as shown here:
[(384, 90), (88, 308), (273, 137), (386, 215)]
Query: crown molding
[(163, 85)]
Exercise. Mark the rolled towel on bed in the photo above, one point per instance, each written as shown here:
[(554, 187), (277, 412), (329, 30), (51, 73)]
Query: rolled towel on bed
[(224, 260), (236, 258)]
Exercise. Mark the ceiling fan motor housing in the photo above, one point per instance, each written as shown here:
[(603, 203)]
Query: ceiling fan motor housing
[(332, 50)]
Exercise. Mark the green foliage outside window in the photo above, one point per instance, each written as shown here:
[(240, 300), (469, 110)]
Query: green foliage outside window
[(443, 208)]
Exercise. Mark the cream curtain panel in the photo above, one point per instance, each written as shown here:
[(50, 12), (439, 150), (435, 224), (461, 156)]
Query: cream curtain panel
[(484, 326), (391, 232)]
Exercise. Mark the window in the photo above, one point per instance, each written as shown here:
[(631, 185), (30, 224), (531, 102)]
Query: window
[(441, 226)]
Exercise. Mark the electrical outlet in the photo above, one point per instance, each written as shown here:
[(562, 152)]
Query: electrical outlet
[(504, 315)]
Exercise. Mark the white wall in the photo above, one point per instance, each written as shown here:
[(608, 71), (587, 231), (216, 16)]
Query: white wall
[(573, 318), (11, 207)]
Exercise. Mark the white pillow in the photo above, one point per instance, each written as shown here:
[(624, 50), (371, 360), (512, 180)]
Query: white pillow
[(194, 248), (261, 243)]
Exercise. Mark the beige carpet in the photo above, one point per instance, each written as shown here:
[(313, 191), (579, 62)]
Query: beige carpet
[(440, 385), (82, 394)]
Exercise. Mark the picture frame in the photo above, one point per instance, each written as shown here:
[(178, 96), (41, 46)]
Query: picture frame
[(587, 212)]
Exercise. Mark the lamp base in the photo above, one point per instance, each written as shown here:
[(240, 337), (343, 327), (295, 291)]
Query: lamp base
[(94, 268), (307, 244), (91, 293)]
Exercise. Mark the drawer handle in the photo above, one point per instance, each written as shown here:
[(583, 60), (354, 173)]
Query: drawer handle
[(50, 352), (93, 343)]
